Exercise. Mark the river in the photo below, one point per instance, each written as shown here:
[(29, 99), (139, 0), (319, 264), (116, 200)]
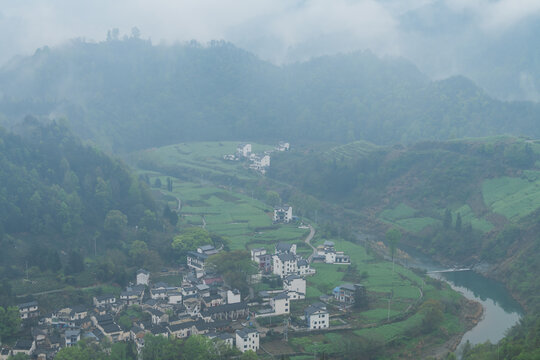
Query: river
[(501, 311)]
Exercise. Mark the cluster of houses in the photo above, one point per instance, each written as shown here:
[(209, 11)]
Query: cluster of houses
[(201, 305), (257, 162), (326, 253)]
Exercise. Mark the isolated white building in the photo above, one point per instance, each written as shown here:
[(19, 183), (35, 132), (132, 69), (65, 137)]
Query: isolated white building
[(295, 286), (244, 149), (233, 296), (283, 214), (247, 339), (284, 264), (317, 317), (283, 146), (280, 303), (143, 276)]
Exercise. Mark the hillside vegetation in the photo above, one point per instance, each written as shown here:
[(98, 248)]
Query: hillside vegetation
[(469, 201), (61, 200), (130, 94)]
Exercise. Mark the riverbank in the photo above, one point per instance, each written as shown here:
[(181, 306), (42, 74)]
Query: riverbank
[(471, 314)]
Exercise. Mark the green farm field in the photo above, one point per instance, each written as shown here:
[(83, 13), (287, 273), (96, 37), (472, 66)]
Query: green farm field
[(243, 221)]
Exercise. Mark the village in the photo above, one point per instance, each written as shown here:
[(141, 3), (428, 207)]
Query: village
[(257, 162), (202, 305)]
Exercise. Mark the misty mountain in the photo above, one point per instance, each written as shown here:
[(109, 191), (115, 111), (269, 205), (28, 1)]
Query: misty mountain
[(129, 94)]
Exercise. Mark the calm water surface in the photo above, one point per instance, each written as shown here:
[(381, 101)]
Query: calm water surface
[(501, 311)]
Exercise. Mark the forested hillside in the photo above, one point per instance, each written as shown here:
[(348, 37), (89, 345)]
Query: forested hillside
[(60, 196), (471, 201), (129, 94)]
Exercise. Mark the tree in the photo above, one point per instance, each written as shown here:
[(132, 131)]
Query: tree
[(10, 322), (75, 263), (235, 266), (115, 223), (458, 222), (157, 183), (199, 348), (190, 239), (393, 236), (447, 219), (272, 198), (249, 355)]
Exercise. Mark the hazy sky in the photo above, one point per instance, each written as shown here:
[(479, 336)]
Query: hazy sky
[(277, 30)]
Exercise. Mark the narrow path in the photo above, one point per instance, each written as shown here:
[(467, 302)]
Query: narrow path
[(308, 241), (179, 204)]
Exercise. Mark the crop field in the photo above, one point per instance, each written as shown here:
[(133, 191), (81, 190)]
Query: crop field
[(203, 157), (511, 197), (406, 218), (468, 216), (243, 221)]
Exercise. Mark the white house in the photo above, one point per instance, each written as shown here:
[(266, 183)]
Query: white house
[(284, 264), (280, 304), (331, 256), (247, 339), (233, 296), (244, 149), (304, 268), (317, 317), (104, 300), (143, 276), (296, 286), (284, 248), (174, 297), (72, 337), (283, 146), (196, 260), (256, 253), (283, 214), (28, 310)]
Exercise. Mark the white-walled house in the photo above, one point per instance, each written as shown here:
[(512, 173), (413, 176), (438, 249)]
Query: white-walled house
[(233, 296), (284, 248), (283, 146), (317, 317), (296, 286), (247, 339), (143, 276), (283, 214), (244, 149), (280, 304), (28, 310), (284, 264)]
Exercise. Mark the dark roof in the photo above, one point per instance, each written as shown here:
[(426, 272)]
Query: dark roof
[(292, 277), (211, 297), (206, 247), (28, 304), (282, 295), (78, 309), (23, 344), (286, 257), (282, 247), (104, 319), (111, 328), (155, 312), (311, 309), (348, 287), (225, 336), (224, 308), (104, 297), (156, 329), (302, 262), (142, 271), (160, 284), (245, 332), (197, 255), (181, 326)]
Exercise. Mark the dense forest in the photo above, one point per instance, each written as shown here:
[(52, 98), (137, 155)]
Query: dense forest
[(129, 94), (61, 199)]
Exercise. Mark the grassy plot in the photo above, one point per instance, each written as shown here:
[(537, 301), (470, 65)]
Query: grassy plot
[(406, 218), (237, 217), (511, 197), (468, 216)]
